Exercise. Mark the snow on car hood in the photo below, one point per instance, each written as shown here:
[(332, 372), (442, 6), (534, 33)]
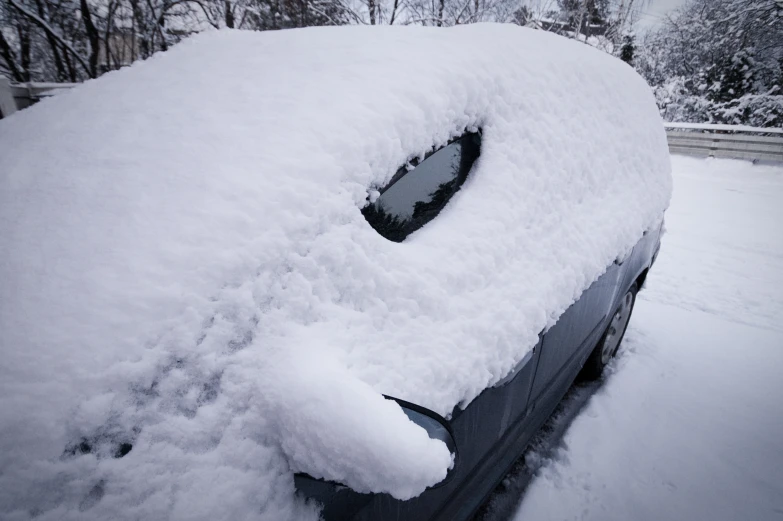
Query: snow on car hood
[(186, 272)]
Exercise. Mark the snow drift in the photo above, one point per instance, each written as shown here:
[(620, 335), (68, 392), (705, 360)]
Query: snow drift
[(186, 274)]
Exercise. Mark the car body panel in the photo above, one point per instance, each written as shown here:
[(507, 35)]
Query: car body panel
[(495, 428)]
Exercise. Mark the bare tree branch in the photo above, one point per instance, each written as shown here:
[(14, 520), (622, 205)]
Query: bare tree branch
[(92, 35), (48, 29)]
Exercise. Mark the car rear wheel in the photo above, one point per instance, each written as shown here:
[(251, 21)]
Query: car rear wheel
[(610, 341)]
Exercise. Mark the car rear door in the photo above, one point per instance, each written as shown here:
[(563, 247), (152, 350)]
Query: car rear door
[(566, 344)]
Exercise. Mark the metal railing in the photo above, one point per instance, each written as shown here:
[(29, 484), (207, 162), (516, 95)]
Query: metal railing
[(19, 96), (725, 141)]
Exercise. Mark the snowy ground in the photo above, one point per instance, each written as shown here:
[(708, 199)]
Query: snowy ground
[(688, 423)]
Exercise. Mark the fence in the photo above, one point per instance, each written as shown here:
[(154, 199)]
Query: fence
[(15, 97), (726, 141)]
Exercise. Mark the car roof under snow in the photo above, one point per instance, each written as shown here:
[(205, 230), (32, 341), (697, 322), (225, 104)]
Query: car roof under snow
[(186, 268)]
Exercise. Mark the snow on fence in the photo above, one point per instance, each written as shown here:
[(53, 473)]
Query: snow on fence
[(726, 141), (15, 97)]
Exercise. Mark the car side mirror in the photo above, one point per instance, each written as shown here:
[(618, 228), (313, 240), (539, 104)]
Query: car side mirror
[(437, 428), (337, 496)]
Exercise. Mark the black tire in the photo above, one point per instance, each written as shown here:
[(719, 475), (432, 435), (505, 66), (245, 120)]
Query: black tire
[(612, 338)]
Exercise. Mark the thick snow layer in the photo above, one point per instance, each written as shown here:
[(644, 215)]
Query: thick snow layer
[(185, 267), (689, 425)]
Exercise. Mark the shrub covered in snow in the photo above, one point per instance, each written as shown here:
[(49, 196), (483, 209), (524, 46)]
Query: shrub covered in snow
[(193, 306), (718, 61)]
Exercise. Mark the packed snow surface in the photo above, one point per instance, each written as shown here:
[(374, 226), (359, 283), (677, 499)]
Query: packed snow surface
[(187, 274), (688, 424)]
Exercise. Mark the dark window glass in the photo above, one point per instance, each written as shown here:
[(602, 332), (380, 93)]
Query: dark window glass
[(414, 197)]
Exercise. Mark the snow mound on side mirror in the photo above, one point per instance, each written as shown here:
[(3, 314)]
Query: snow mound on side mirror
[(186, 270)]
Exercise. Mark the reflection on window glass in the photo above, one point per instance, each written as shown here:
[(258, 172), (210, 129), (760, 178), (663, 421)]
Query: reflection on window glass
[(414, 198)]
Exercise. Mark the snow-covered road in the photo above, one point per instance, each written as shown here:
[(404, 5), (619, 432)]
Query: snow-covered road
[(688, 423)]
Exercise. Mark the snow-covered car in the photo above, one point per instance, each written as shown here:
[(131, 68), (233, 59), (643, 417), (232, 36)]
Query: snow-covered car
[(371, 258), (488, 436)]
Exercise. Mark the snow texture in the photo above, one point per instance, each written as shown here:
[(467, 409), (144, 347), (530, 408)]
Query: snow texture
[(186, 270), (687, 425)]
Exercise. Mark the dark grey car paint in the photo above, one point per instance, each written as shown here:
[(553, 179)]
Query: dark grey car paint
[(493, 431)]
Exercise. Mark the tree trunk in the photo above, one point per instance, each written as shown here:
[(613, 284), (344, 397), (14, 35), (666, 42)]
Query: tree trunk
[(5, 51), (69, 66), (580, 19), (140, 27), (229, 14), (107, 37), (93, 36), (274, 13), (52, 43), (24, 51), (394, 12), (164, 46)]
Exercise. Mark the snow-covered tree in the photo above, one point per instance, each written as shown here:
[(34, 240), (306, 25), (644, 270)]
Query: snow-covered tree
[(718, 61), (601, 23), (583, 14)]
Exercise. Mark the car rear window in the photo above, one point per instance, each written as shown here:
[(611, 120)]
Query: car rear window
[(415, 197)]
